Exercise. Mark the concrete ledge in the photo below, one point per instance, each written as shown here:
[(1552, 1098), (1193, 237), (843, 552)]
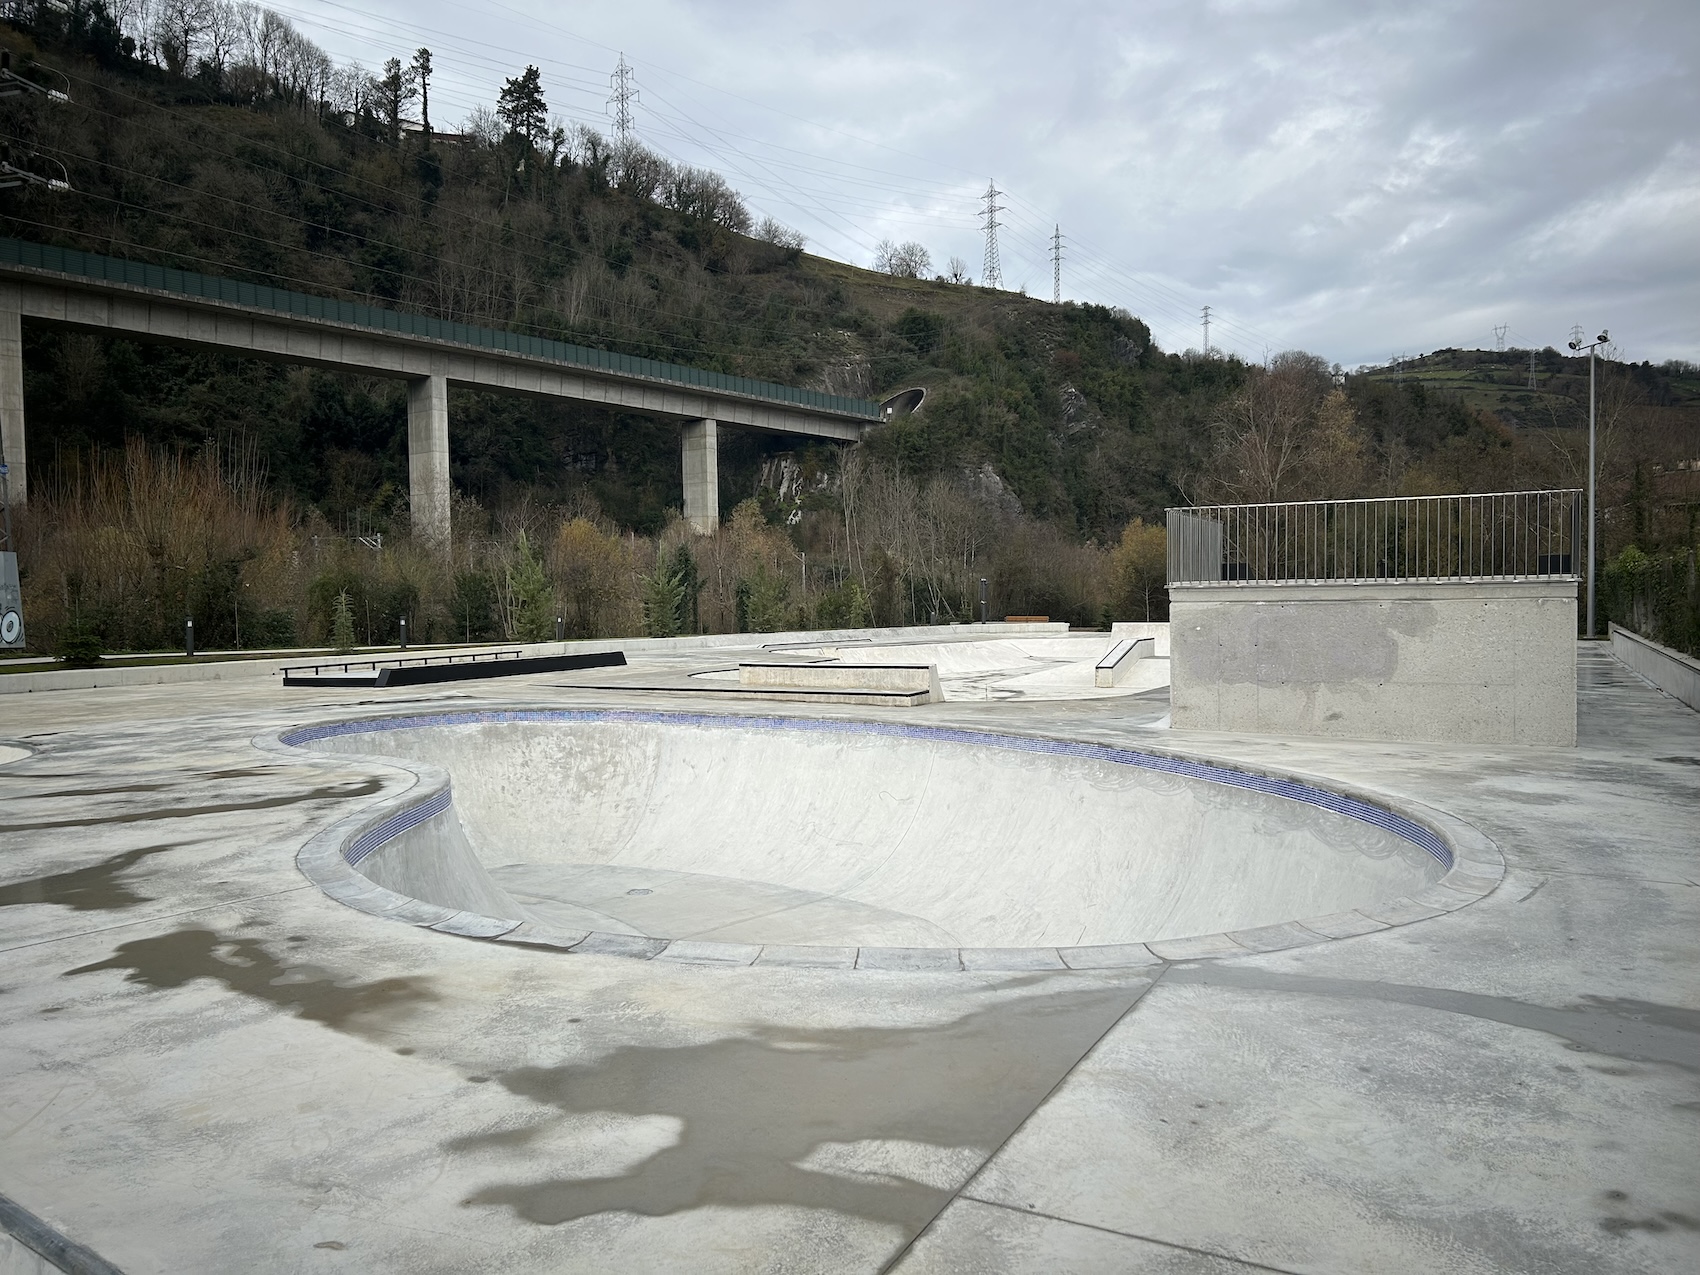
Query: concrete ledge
[(1671, 671), (913, 680)]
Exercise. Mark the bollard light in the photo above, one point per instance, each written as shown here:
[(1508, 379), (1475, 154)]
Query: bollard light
[(404, 633), (983, 599), (560, 628), (189, 635)]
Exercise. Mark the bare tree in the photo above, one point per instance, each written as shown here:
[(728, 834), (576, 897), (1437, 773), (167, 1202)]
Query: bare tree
[(225, 35), (780, 235), (902, 260), (179, 28), (1288, 434)]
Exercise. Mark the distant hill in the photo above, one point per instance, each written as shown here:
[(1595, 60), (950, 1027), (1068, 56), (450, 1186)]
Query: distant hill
[(1499, 382)]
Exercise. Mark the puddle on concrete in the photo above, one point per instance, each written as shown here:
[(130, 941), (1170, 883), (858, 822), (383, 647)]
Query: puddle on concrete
[(95, 888), (1639, 1031), (246, 967), (98, 792), (330, 792), (753, 1107)]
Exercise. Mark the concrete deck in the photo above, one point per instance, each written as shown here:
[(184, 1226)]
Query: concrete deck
[(206, 1064)]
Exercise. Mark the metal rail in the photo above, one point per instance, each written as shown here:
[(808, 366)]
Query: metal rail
[(1517, 535), (408, 661)]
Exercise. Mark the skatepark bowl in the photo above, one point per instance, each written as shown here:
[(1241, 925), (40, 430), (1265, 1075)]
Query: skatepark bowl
[(801, 841)]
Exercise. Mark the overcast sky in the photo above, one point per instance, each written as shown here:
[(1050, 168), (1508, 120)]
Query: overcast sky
[(1353, 178)]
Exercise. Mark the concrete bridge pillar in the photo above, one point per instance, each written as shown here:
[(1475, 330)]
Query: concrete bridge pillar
[(12, 390), (428, 458), (699, 448)]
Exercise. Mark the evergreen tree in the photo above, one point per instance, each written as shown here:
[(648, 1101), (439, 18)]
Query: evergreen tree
[(342, 624), (684, 568), (422, 77), (531, 598), (522, 108), (663, 600)]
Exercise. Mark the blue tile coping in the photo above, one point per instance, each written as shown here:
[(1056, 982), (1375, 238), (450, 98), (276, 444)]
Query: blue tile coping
[(1473, 864)]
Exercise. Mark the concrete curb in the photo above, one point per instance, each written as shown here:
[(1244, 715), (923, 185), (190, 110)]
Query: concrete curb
[(1474, 864), (52, 1249), (1672, 672)]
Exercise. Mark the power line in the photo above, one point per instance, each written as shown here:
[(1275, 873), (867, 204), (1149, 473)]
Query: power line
[(991, 272), (1499, 331)]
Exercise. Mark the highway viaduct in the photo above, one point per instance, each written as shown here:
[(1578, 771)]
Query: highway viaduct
[(147, 302)]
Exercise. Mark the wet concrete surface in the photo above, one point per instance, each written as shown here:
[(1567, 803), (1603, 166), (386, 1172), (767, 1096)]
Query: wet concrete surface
[(207, 1065)]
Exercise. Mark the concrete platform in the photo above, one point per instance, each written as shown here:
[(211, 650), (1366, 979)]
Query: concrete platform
[(209, 1064)]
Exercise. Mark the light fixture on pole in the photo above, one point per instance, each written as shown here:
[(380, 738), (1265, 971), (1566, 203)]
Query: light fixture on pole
[(1591, 346)]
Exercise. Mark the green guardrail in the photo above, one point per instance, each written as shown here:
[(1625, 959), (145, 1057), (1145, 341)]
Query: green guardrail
[(189, 283)]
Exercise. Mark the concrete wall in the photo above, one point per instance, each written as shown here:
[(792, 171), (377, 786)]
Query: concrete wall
[(1470, 663), (1671, 671)]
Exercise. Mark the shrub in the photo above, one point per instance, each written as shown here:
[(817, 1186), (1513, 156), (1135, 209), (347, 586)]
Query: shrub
[(79, 645), (1657, 596), (845, 607)]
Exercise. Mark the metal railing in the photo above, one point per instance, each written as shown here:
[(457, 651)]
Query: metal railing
[(1518, 535)]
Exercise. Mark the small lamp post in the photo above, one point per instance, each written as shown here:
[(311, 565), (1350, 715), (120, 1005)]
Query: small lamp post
[(189, 635), (1591, 346), (983, 584)]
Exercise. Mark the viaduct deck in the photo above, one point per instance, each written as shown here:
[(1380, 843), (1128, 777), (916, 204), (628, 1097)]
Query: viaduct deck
[(149, 302)]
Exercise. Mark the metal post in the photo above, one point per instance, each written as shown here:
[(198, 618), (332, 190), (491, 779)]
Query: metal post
[(189, 635), (983, 583), (404, 633), (1591, 524), (560, 628)]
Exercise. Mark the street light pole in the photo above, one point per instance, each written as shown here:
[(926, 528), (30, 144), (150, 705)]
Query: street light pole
[(1593, 345)]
